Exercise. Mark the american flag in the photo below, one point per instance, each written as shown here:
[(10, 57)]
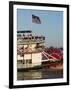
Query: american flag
[(36, 19)]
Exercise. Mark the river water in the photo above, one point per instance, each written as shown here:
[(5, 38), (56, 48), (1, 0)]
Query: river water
[(40, 74)]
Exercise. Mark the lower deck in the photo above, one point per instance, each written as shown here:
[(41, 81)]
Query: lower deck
[(29, 64)]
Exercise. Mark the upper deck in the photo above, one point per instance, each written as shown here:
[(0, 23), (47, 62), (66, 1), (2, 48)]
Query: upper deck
[(26, 37)]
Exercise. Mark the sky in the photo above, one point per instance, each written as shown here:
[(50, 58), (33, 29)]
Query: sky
[(51, 25)]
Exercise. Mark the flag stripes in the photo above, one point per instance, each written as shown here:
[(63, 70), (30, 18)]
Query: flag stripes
[(36, 19)]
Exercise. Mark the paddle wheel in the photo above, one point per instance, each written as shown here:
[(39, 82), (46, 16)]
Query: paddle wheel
[(53, 58)]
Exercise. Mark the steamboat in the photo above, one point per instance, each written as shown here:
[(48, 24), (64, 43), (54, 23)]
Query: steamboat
[(32, 53)]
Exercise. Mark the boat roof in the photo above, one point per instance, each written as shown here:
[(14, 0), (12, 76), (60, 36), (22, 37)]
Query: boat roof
[(26, 31)]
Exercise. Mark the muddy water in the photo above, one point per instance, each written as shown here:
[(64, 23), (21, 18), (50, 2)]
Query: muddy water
[(40, 74)]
